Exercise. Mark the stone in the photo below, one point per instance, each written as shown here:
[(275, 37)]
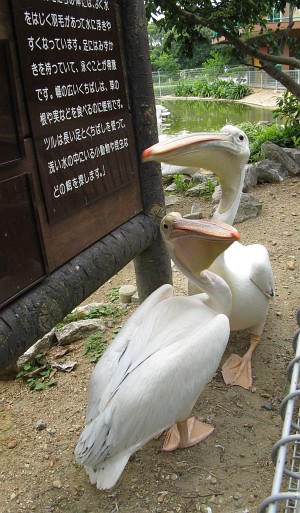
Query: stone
[(126, 292), (194, 191), (269, 171), (216, 197), (294, 153), (195, 207), (291, 265), (198, 177), (250, 177), (40, 425), (267, 406), (249, 208), (195, 212), (135, 298), (205, 509), (77, 330), (289, 160), (171, 200), (41, 346), (12, 444), (171, 188), (237, 496), (85, 310), (208, 176)]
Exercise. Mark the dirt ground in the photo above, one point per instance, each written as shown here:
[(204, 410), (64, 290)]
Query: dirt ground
[(230, 472), (264, 97)]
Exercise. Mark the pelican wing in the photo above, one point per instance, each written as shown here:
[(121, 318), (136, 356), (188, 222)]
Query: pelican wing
[(109, 361), (159, 391), (244, 263), (261, 270)]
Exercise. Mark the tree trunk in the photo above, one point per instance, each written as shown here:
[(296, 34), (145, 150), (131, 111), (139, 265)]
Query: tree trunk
[(283, 78), (153, 265)]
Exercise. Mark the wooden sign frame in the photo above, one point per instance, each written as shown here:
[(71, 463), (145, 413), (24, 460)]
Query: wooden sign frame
[(11, 142)]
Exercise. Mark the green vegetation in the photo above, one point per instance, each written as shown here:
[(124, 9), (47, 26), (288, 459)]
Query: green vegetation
[(38, 374), (224, 89), (219, 59), (258, 133), (113, 294), (232, 22), (166, 55), (94, 313), (206, 188), (94, 346), (182, 183), (288, 110)]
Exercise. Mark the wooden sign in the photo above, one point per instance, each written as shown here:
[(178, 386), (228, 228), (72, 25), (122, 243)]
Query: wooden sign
[(77, 103), (11, 144)]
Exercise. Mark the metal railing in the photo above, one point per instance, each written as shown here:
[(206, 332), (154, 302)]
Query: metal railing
[(166, 83), (285, 495)]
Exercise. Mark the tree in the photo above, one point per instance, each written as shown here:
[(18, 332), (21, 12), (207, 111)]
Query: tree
[(160, 60), (233, 21), (174, 58), (217, 61)]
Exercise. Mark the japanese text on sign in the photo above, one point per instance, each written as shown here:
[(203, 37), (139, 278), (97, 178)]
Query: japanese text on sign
[(77, 100)]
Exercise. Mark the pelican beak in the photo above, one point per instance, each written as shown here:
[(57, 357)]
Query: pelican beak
[(189, 149), (217, 152), (195, 244)]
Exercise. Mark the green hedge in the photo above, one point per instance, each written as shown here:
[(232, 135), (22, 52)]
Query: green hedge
[(221, 89)]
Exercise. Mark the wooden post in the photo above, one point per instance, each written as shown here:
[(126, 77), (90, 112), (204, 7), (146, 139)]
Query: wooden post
[(152, 266)]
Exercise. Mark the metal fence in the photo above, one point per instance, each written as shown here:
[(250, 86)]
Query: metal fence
[(285, 495), (166, 83)]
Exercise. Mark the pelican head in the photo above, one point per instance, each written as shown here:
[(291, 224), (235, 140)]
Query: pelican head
[(194, 244), (224, 153)]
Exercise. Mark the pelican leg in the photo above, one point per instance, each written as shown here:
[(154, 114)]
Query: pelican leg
[(186, 434), (237, 370)]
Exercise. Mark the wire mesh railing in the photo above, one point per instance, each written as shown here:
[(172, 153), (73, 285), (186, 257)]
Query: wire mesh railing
[(166, 83), (285, 495)]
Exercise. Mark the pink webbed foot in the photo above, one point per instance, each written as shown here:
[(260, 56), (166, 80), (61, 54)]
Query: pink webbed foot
[(237, 371), (186, 434)]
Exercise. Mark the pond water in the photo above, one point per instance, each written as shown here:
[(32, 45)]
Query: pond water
[(188, 116)]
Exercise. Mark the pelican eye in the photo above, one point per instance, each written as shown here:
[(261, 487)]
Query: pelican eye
[(166, 226), (241, 137)]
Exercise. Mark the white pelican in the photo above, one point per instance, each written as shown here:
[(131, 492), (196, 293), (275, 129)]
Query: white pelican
[(246, 269), (151, 375)]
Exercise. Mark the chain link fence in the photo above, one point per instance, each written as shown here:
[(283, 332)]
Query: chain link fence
[(165, 83)]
